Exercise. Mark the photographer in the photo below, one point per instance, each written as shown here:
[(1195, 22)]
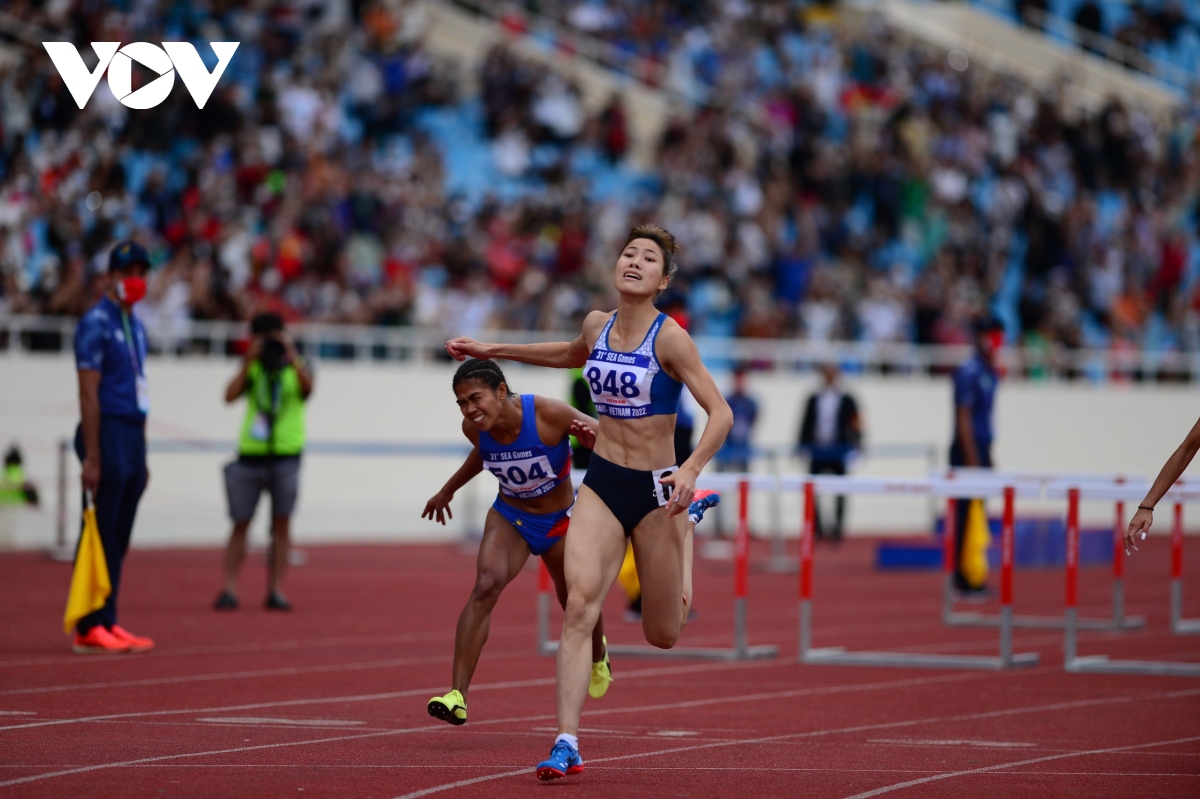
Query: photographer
[(276, 382)]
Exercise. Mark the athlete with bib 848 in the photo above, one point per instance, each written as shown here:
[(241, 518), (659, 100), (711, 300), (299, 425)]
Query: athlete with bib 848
[(636, 361)]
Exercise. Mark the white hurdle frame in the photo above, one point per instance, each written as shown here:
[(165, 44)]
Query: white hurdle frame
[(1102, 664), (741, 649), (839, 656), (1043, 480)]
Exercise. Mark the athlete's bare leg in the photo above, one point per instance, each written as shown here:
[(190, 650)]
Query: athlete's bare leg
[(553, 558), (662, 550), (595, 547), (502, 554)]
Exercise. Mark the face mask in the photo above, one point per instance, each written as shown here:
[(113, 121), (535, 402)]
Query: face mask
[(131, 289)]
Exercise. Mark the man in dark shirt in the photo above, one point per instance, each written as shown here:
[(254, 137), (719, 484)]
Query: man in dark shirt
[(114, 399), (830, 433), (974, 398)]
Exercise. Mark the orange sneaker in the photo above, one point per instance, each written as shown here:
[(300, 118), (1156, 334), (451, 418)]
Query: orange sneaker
[(136, 642), (99, 641)]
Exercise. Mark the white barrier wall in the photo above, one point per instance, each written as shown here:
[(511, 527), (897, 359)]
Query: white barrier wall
[(1040, 426)]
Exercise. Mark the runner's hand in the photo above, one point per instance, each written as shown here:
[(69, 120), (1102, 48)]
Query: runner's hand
[(683, 486), (462, 348), (438, 508), (1140, 523), (585, 433), (90, 476)]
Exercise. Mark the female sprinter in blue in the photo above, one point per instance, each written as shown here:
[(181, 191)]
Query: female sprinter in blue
[(524, 441), (636, 362)]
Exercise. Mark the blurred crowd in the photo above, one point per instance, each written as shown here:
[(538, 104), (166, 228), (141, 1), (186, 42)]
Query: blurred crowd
[(833, 183)]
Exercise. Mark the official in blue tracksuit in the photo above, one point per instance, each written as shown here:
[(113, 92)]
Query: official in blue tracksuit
[(114, 399), (974, 398)]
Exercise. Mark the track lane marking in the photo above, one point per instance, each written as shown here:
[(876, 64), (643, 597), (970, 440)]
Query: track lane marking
[(1015, 764), (366, 665), (674, 750), (504, 685), (543, 717), (819, 733)]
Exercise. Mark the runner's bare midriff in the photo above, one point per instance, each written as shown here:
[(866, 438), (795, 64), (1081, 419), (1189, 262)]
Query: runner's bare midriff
[(645, 444)]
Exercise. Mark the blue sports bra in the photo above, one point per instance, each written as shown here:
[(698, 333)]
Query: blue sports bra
[(526, 468), (631, 385)]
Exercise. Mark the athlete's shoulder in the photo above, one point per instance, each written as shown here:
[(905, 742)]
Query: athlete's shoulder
[(470, 431), (552, 410), (593, 325), (672, 334)]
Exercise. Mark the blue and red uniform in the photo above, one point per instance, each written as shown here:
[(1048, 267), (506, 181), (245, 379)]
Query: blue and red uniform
[(527, 469)]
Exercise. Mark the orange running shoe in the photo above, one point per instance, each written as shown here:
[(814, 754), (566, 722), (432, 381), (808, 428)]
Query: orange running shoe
[(136, 642), (99, 641)]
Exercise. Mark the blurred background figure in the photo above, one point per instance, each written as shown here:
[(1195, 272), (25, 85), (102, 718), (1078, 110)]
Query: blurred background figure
[(581, 400), (276, 382), (830, 434), (736, 452), (974, 401), (15, 489)]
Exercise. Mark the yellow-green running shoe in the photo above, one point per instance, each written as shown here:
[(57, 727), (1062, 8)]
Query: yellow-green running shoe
[(451, 707), (601, 675)]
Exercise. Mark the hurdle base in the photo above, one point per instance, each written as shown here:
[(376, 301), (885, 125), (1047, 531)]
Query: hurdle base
[(681, 652), (63, 554), (838, 656), (973, 619), (1186, 627), (1101, 664)]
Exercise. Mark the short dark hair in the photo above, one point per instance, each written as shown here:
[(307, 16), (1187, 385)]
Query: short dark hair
[(265, 323), (480, 370), (987, 323), (665, 241)]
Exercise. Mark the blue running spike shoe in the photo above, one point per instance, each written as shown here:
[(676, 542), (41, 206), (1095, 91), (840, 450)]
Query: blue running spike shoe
[(702, 501), (564, 760)]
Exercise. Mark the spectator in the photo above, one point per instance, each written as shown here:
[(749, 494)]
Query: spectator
[(114, 400), (276, 382), (830, 434), (974, 400), (15, 489), (1089, 19), (736, 451)]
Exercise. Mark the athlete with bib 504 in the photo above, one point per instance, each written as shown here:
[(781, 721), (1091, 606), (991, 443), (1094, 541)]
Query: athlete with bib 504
[(636, 362), (524, 441)]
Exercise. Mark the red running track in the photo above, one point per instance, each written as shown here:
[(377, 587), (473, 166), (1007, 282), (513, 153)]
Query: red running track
[(330, 700)]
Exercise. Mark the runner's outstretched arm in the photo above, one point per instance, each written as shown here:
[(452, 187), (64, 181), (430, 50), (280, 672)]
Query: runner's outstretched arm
[(1171, 470), (555, 354)]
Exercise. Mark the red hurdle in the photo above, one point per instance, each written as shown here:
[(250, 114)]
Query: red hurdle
[(741, 649)]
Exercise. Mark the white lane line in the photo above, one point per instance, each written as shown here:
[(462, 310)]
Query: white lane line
[(506, 685), (951, 742), (273, 646), (591, 766), (818, 733), (1015, 764), (442, 728), (283, 722), (248, 675), (17, 713)]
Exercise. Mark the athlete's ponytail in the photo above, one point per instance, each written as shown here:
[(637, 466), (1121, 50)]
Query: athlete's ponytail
[(481, 371)]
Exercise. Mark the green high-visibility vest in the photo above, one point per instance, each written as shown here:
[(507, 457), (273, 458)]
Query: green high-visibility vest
[(274, 421), (12, 485)]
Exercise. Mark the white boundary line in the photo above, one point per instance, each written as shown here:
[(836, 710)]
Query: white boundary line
[(639, 708), (505, 685), (443, 728), (365, 665), (984, 769), (819, 733)]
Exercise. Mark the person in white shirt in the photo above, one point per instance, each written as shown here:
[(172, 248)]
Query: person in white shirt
[(830, 432)]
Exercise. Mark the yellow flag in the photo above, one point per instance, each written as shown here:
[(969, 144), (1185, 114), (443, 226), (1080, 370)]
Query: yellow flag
[(627, 578), (976, 540), (90, 585)]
